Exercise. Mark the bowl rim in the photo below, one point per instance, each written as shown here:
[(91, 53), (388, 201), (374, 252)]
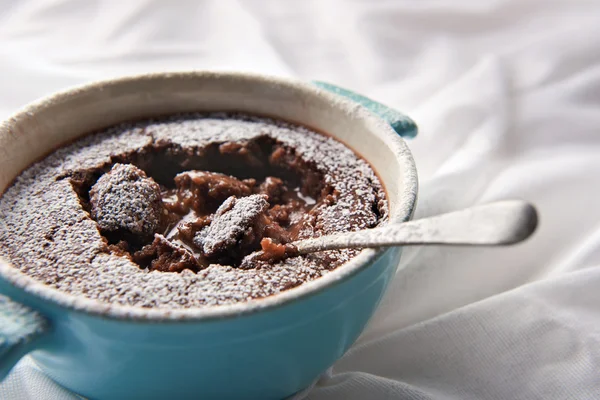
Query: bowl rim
[(405, 208)]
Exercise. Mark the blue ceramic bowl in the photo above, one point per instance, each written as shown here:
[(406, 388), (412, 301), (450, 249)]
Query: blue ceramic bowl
[(263, 349)]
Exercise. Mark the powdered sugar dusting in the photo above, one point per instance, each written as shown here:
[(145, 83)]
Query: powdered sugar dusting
[(45, 231)]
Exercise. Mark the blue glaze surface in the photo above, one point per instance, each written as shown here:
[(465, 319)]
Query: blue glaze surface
[(19, 327), (268, 355)]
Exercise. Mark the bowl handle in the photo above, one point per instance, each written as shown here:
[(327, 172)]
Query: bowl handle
[(402, 124), (20, 331)]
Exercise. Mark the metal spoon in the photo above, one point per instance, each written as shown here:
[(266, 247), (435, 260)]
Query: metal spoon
[(495, 224)]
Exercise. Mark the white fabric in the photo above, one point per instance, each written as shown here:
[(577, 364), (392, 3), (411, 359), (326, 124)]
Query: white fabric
[(507, 96)]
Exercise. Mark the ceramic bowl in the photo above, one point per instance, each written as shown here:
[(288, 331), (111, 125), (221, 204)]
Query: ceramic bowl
[(266, 349)]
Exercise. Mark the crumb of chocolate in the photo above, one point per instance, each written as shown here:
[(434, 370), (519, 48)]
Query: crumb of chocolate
[(273, 188), (125, 199), (273, 251), (166, 256), (270, 253)]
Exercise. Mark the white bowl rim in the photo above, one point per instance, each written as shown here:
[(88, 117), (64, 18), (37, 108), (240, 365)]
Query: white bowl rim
[(75, 303)]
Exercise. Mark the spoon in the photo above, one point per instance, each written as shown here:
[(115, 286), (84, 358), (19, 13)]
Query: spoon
[(494, 224)]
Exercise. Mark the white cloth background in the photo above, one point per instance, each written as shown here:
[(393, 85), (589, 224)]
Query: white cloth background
[(507, 96)]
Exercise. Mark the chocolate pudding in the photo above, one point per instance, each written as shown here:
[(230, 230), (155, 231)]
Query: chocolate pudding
[(172, 212)]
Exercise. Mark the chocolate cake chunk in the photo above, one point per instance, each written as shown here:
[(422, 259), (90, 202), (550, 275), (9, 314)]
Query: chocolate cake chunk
[(125, 200), (192, 210), (236, 229)]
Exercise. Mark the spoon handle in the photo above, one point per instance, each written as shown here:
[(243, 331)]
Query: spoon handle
[(500, 223)]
